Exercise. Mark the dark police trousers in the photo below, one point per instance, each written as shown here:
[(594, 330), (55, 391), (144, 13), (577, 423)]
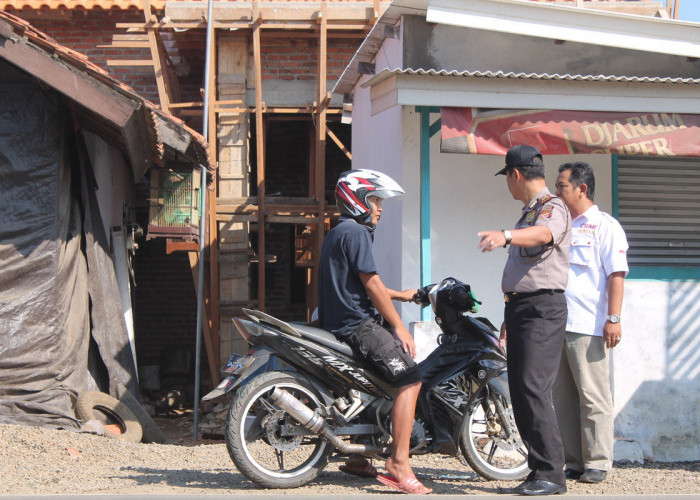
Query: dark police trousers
[(535, 335)]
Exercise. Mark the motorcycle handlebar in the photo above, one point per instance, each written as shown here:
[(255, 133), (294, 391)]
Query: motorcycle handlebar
[(421, 296)]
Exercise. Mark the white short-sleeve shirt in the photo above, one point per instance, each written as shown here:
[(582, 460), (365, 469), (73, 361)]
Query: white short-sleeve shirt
[(598, 249)]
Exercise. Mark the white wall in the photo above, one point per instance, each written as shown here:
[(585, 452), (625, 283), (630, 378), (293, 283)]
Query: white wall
[(114, 188), (656, 369), (655, 376), (377, 144)]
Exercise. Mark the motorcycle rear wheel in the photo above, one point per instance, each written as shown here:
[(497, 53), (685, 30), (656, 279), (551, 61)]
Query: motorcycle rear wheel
[(487, 447), (258, 436)]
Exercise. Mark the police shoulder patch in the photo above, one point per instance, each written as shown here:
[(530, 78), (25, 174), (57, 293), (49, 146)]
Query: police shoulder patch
[(545, 213)]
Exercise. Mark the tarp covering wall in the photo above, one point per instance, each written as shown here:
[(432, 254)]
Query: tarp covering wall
[(56, 275), (467, 130)]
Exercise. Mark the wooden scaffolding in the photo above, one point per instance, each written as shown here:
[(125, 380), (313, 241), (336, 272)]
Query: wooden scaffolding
[(232, 213)]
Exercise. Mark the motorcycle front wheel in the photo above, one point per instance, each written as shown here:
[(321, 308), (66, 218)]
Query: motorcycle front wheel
[(486, 444), (267, 445)]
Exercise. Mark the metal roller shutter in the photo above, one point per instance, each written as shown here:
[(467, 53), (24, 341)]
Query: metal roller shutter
[(658, 205)]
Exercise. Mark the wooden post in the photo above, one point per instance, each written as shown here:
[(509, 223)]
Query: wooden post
[(213, 233), (213, 361), (320, 149), (260, 150), (164, 83)]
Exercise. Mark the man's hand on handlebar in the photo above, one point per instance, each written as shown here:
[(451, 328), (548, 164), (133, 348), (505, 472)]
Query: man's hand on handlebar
[(405, 295)]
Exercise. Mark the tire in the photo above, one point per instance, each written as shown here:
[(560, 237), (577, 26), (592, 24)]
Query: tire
[(95, 405), (485, 444), (151, 432), (255, 441)]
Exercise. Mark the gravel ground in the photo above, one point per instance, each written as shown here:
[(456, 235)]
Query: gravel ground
[(37, 461)]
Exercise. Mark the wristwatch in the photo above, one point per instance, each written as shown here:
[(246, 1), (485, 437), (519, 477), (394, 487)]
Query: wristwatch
[(508, 236), (614, 318)]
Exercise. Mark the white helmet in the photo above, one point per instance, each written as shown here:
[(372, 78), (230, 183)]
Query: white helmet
[(355, 186)]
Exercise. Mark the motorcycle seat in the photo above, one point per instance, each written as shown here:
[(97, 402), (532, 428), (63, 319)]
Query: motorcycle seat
[(323, 337)]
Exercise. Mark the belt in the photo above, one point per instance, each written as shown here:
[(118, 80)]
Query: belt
[(512, 296)]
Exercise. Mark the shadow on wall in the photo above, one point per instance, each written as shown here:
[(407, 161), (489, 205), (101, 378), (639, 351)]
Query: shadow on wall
[(656, 382)]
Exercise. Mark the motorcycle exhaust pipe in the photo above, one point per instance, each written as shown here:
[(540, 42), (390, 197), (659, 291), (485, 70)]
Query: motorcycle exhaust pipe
[(316, 424)]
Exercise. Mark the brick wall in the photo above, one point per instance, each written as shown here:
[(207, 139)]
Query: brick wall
[(83, 31), (165, 311), (297, 58)]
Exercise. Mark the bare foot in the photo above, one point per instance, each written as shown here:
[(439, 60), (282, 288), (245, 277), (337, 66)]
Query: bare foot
[(400, 471)]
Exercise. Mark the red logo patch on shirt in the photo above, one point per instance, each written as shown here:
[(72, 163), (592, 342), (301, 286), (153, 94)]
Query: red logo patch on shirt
[(546, 213)]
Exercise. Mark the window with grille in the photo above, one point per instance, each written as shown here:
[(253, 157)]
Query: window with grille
[(658, 205)]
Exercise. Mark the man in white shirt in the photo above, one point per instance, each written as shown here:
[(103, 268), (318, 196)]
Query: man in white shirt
[(598, 266)]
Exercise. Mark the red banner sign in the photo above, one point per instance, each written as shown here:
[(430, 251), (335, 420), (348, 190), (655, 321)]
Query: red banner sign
[(464, 130)]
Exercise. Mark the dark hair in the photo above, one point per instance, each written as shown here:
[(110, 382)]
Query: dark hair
[(581, 173), (534, 171)]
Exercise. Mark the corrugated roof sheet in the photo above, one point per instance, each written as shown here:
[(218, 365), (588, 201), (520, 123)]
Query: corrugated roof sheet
[(115, 4), (79, 62), (387, 73)]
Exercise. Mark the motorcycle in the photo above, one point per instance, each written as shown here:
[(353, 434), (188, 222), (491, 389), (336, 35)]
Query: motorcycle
[(301, 394)]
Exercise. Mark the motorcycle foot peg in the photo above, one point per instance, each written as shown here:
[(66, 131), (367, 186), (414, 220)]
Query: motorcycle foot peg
[(341, 404)]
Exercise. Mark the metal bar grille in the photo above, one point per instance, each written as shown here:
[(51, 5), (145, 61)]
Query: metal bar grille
[(659, 208)]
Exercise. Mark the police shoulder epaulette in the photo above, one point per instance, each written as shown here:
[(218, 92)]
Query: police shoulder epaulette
[(545, 199)]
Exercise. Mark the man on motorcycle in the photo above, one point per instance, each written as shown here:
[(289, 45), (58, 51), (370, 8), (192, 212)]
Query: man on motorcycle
[(351, 294)]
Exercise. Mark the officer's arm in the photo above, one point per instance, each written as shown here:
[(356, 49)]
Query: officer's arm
[(381, 300), (526, 237), (533, 236)]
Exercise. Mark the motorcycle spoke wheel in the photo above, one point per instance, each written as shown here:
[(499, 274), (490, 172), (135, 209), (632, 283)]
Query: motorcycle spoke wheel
[(267, 445), (486, 446)]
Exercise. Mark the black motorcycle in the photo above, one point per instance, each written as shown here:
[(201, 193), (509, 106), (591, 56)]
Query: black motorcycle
[(302, 394)]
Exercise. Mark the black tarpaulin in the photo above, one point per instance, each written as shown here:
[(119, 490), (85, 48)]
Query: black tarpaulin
[(57, 280)]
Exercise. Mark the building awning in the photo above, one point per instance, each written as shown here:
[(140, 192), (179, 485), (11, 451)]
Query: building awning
[(499, 90), (569, 23), (470, 130)]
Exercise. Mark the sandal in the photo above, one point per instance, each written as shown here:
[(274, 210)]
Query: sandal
[(364, 469), (410, 485)]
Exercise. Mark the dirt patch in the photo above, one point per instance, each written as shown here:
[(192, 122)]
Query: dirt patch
[(42, 461)]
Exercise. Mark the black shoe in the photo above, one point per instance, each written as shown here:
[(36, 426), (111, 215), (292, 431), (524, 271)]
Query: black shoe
[(572, 474), (593, 476), (513, 491), (540, 487)]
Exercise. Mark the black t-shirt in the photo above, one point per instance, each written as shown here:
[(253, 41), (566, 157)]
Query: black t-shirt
[(343, 303)]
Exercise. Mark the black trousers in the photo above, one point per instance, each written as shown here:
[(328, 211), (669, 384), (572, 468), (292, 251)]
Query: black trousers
[(535, 327)]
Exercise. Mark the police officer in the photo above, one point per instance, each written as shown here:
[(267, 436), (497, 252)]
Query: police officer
[(533, 282)]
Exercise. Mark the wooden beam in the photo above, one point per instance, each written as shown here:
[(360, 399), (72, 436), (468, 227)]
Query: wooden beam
[(160, 65), (320, 152), (339, 144), (260, 151), (213, 233), (212, 357), (125, 45), (130, 62), (298, 25), (180, 246), (273, 11)]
